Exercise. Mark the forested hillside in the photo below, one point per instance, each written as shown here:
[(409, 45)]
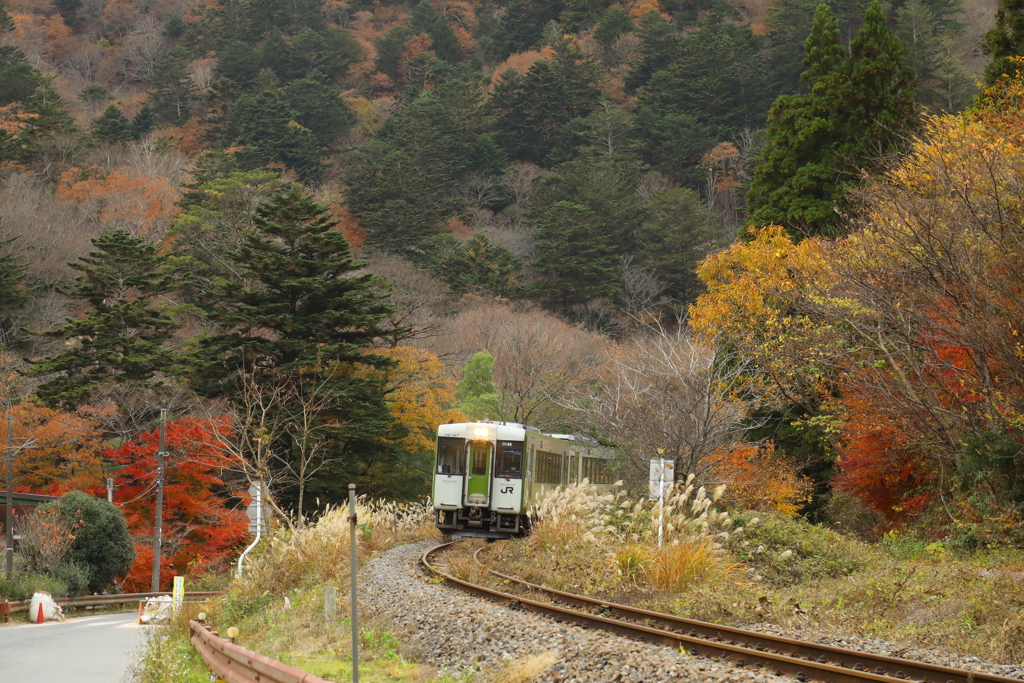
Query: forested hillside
[(300, 224)]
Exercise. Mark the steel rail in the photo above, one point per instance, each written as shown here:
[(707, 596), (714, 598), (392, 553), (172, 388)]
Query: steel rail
[(784, 656)]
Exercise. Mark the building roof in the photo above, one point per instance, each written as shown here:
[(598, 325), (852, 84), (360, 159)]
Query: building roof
[(27, 497)]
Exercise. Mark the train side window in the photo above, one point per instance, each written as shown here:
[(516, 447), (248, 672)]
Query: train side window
[(450, 458), (596, 471), (549, 468), (510, 459)]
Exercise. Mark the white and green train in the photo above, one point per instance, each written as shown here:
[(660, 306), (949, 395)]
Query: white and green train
[(489, 474)]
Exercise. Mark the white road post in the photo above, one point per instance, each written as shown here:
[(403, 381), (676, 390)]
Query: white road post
[(259, 524)]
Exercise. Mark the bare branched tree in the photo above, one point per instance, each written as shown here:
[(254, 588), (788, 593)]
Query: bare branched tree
[(419, 300), (537, 357), (663, 394)]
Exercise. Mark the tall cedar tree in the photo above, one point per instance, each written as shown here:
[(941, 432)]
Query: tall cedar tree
[(113, 126), (120, 337), (13, 294), (300, 322), (6, 23), (1004, 41), (172, 92), (859, 109)]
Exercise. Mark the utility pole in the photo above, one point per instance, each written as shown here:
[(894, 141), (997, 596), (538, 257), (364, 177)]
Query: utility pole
[(110, 489), (159, 519), (9, 552)]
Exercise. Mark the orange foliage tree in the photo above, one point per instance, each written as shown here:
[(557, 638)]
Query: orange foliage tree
[(117, 199), (63, 449), (758, 478), (760, 303), (204, 520), (420, 395)]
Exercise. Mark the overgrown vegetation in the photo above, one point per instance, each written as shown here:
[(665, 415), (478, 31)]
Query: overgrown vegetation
[(750, 568), (278, 604)]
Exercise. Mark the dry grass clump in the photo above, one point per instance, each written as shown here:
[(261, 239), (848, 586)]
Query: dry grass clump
[(320, 552), (386, 523), (526, 670), (569, 517), (601, 541), (686, 561), (1008, 643)]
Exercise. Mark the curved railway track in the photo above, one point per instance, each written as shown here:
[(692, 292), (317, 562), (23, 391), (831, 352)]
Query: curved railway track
[(783, 656)]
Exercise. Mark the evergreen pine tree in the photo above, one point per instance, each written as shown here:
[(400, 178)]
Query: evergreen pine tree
[(142, 122), (858, 110), (532, 109), (1004, 40), (13, 294), (6, 23), (481, 265), (121, 336), (239, 63), (874, 95), (577, 257), (172, 92), (302, 322), (265, 125), (389, 48), (427, 19), (112, 126), (521, 26), (174, 28), (614, 23), (659, 47)]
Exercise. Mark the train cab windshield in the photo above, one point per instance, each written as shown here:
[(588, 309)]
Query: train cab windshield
[(510, 459), (451, 455)]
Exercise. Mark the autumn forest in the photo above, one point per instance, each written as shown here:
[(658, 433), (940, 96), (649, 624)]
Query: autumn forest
[(777, 240)]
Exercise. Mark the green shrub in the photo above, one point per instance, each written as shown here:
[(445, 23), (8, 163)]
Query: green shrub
[(22, 586), (73, 575), (102, 548), (786, 551)]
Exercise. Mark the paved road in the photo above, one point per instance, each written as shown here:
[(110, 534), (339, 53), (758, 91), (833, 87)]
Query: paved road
[(83, 650)]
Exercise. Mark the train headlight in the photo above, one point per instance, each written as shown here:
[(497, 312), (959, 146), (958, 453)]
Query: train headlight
[(481, 432)]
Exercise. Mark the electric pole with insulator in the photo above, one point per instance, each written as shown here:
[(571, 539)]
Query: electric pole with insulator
[(158, 526)]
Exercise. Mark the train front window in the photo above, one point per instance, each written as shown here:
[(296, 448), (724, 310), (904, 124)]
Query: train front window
[(480, 453), (510, 459), (450, 458)]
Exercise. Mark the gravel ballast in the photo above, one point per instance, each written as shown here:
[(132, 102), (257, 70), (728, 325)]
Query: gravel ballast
[(451, 630)]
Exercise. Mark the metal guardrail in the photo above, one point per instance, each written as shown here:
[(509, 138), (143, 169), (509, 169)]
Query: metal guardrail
[(235, 664), (10, 607)]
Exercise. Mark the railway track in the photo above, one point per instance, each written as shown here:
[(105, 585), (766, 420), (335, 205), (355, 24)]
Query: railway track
[(802, 660)]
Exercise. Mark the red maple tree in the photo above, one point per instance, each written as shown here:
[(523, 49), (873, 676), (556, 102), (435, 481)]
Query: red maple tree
[(204, 519)]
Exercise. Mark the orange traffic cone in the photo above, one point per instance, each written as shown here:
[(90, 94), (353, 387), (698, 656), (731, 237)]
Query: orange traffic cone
[(39, 619)]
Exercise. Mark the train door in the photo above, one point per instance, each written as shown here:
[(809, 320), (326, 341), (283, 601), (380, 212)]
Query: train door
[(478, 483)]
